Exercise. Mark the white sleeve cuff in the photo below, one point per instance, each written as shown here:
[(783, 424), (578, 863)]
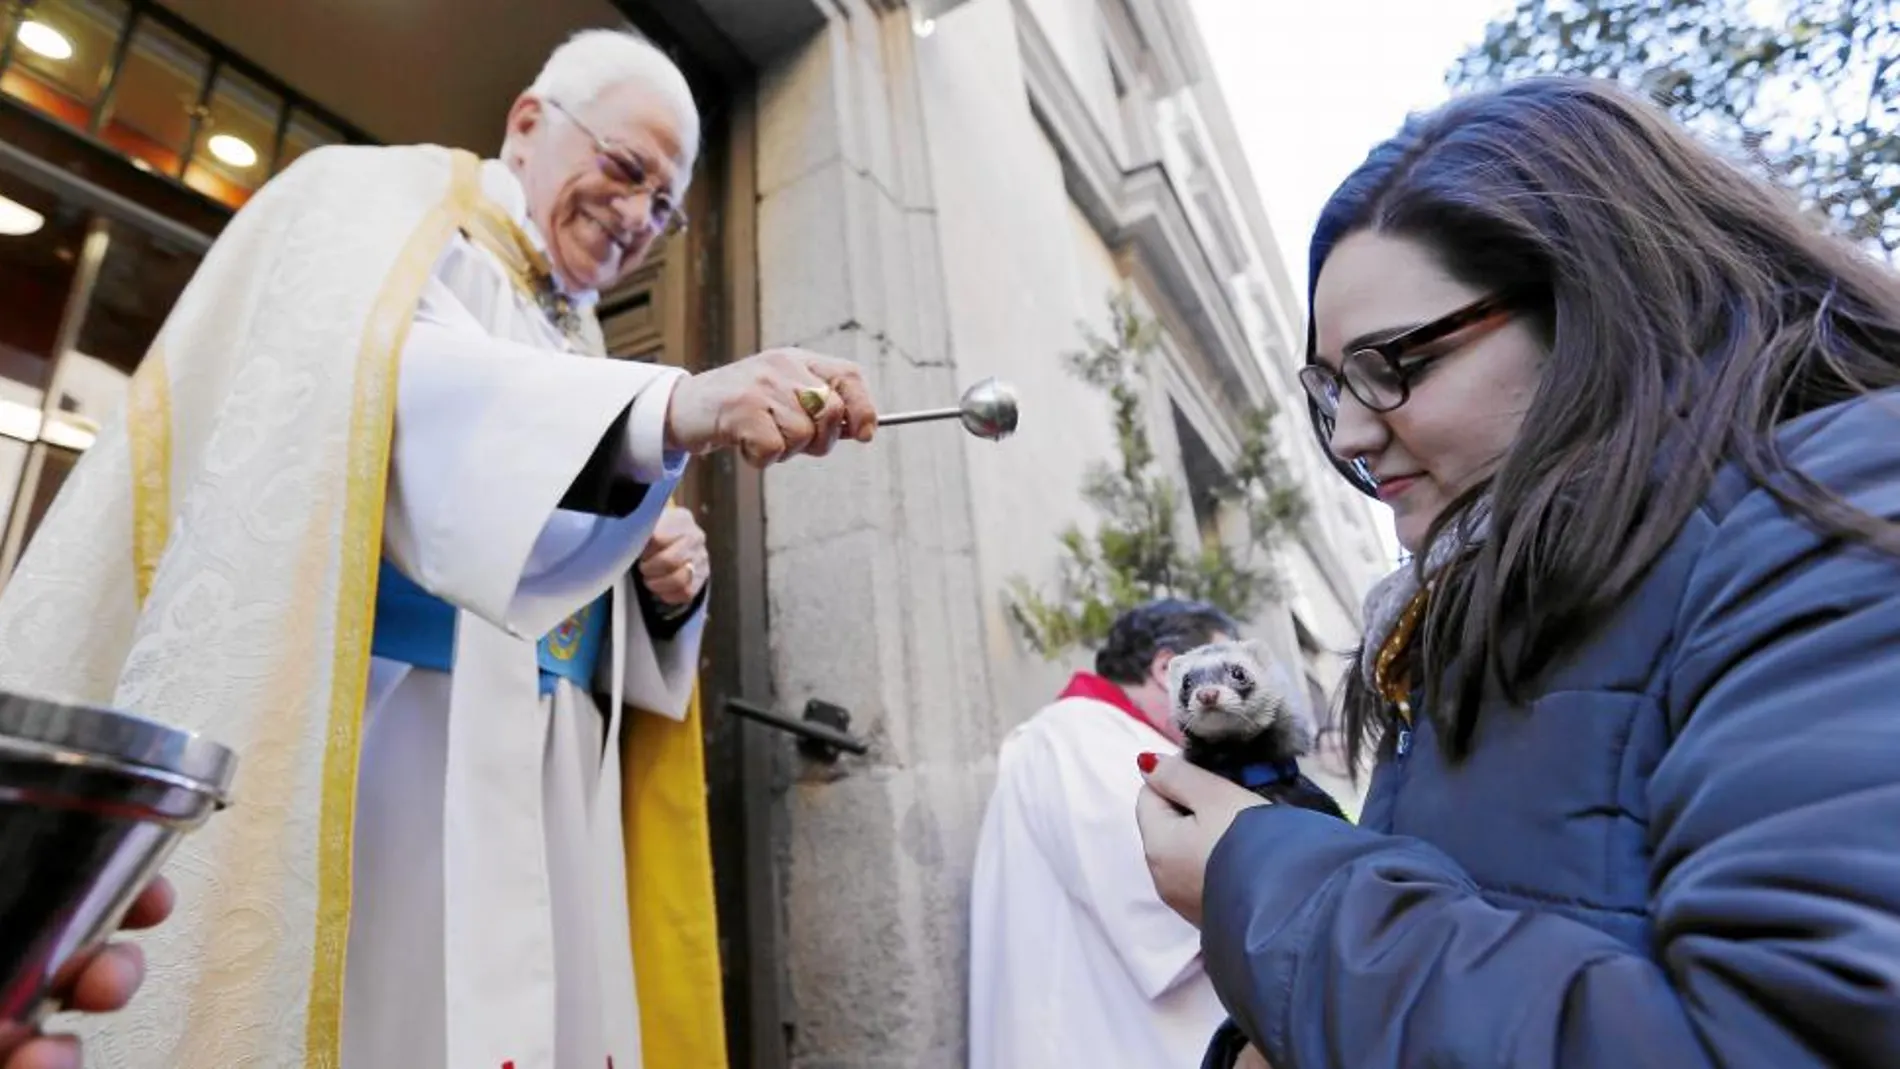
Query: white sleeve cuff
[(647, 459)]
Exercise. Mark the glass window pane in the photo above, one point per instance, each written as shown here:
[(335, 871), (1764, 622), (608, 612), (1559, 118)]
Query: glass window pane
[(150, 114), (139, 280), (232, 156), (62, 55), (306, 132)]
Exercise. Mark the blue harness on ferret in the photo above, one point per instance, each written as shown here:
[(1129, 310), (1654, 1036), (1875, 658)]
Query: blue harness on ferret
[(1266, 774)]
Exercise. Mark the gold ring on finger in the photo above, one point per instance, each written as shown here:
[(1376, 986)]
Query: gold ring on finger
[(812, 399)]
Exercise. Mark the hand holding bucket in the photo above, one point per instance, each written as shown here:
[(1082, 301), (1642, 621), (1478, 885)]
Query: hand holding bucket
[(91, 804)]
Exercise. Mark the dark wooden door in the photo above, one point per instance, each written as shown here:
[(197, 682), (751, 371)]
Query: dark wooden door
[(693, 304)]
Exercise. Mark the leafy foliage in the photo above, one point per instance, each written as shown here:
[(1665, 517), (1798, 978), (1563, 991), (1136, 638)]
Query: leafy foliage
[(1808, 90), (1136, 552)]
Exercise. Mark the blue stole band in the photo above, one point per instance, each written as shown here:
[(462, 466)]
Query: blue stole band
[(417, 628)]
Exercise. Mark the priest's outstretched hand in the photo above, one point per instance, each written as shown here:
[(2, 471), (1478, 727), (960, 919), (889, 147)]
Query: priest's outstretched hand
[(758, 406), (104, 982)]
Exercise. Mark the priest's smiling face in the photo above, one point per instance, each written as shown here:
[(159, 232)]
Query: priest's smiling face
[(601, 178)]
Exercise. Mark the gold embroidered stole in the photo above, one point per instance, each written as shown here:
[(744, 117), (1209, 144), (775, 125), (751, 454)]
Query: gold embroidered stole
[(490, 229)]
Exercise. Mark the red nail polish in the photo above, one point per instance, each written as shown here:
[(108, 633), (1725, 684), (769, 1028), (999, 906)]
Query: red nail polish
[(1146, 762)]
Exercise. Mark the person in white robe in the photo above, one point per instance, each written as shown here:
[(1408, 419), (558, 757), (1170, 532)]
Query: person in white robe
[(1074, 959), (381, 517)]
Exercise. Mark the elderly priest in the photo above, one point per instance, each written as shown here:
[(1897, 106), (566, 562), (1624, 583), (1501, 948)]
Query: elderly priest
[(380, 516)]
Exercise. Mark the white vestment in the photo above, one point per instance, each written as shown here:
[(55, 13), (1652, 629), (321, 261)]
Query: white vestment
[(490, 883), (1074, 959), (425, 871)]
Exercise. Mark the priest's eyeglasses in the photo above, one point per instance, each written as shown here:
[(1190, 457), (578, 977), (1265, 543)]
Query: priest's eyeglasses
[(1379, 374), (625, 166)]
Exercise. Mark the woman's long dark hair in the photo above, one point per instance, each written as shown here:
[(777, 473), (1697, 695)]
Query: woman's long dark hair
[(1689, 308)]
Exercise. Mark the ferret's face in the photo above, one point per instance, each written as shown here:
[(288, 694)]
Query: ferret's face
[(1219, 693)]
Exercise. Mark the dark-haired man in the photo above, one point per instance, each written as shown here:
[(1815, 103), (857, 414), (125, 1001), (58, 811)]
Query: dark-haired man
[(1074, 960)]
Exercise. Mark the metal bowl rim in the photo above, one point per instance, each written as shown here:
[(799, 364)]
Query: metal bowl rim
[(107, 738)]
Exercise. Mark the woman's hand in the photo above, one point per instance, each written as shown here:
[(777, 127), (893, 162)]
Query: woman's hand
[(1178, 844), (103, 983)]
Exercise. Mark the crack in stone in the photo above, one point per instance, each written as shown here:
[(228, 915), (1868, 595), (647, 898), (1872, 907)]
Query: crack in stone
[(886, 344), (839, 159), (877, 183), (811, 539), (799, 176)]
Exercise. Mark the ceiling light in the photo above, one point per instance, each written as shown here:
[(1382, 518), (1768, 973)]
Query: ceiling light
[(924, 27), (232, 150), (18, 421), (40, 38), (17, 220), (69, 430)]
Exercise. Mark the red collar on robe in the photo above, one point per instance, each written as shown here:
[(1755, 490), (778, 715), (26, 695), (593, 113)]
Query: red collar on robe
[(1089, 685)]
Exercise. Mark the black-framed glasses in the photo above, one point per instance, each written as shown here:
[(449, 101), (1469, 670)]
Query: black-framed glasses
[(625, 166), (1379, 374)]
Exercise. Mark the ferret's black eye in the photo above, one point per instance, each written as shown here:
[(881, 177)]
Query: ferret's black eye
[(1238, 673)]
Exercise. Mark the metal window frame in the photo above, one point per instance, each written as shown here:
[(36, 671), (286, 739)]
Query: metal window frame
[(220, 58)]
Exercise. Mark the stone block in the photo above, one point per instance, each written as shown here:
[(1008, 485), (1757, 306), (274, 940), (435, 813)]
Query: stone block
[(922, 589), (847, 926), (928, 470), (909, 165), (892, 301), (978, 718), (806, 260), (810, 498), (879, 874), (800, 120), (837, 629), (835, 249), (869, 132), (931, 342)]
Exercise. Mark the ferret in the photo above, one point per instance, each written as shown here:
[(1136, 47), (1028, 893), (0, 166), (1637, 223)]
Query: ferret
[(1235, 710)]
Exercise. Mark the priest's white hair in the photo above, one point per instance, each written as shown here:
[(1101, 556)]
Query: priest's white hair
[(593, 61)]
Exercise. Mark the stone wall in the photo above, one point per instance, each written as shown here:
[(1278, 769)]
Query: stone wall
[(914, 216), (873, 576)]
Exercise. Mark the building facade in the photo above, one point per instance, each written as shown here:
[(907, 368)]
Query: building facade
[(942, 191)]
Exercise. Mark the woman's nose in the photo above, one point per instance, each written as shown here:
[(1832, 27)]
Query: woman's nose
[(1357, 430)]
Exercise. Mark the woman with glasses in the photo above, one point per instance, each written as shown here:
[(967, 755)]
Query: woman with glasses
[(1634, 703)]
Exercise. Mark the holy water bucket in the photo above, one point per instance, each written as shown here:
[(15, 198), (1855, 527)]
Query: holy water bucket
[(92, 802)]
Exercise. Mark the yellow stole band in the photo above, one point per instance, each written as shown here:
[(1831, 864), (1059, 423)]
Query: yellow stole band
[(672, 913)]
